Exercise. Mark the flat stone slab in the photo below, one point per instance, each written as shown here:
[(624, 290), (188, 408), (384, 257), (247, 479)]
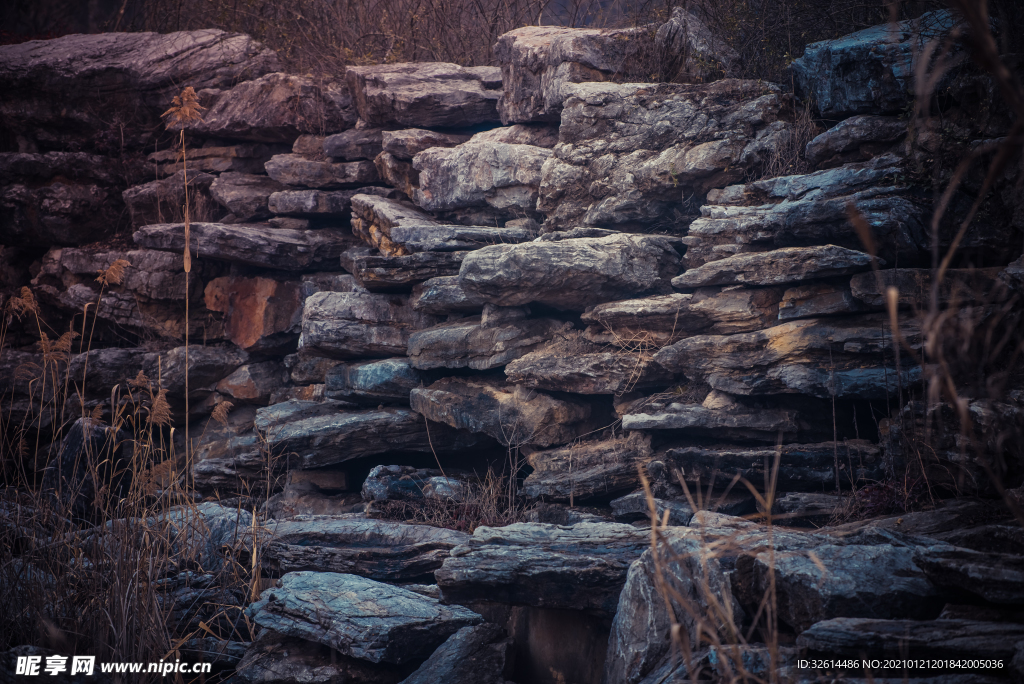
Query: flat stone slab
[(570, 274), (408, 142), (250, 244), (294, 169), (777, 267), (467, 343), (578, 567), (556, 369), (314, 203), (386, 551), (379, 273), (348, 325), (386, 381), (444, 295), (733, 422), (245, 195), (276, 658), (995, 577), (473, 655), (849, 137), (588, 470), (359, 617)]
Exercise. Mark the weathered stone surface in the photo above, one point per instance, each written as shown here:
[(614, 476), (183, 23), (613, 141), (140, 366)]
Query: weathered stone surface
[(572, 365), (319, 202), (407, 483), (995, 577), (691, 52), (398, 173), (292, 169), (275, 108), (254, 383), (240, 158), (818, 356), (869, 71), (629, 153), (500, 175), (664, 319), (807, 508), (537, 135), (276, 659), (99, 90), (801, 467), (473, 655), (427, 94), (444, 295), (252, 244), (380, 550), (952, 639), (259, 313), (588, 470), (150, 274), (578, 567), (379, 273), (821, 298), (397, 229), (320, 434), (359, 617), (856, 139), (512, 415), (407, 143), (229, 458), (959, 285), (161, 200), (635, 506), (388, 381), (780, 266), (348, 325), (59, 212), (354, 144), (570, 274), (479, 344), (812, 209), (536, 61), (245, 195)]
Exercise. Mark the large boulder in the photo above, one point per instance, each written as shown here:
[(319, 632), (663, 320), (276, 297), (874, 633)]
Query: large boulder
[(628, 154), (359, 617), (870, 71), (108, 90), (499, 175), (578, 567), (275, 108), (427, 94), (570, 274)]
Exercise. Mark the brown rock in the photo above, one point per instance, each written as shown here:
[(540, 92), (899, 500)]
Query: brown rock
[(259, 313), (588, 470), (777, 267)]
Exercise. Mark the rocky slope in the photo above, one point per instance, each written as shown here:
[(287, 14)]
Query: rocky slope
[(382, 275)]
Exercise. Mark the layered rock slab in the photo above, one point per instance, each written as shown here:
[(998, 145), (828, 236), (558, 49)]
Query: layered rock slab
[(578, 567), (379, 273), (588, 470), (350, 325), (473, 655), (470, 343), (359, 617), (777, 267), (375, 382), (556, 368), (294, 169), (276, 658), (245, 195)]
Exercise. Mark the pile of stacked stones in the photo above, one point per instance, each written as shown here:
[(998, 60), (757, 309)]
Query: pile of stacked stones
[(433, 264)]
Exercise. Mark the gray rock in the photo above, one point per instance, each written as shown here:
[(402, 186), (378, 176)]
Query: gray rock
[(359, 617), (663, 319), (801, 467), (407, 143), (398, 173), (629, 153), (725, 420), (320, 202), (820, 299), (275, 108), (230, 458), (427, 94), (444, 295), (407, 483), (151, 274), (587, 470), (537, 135), (387, 381), (254, 383), (379, 273), (251, 244), (945, 639), (691, 52), (807, 508), (276, 659), (397, 229), (636, 506), (536, 61), (819, 356), (995, 577), (471, 343), (856, 139), (777, 267), (500, 175), (869, 71), (380, 550), (60, 212), (291, 169), (241, 158), (473, 655), (109, 89), (317, 434), (578, 567), (575, 367), (511, 415), (349, 325), (570, 274), (354, 144), (161, 200), (245, 195)]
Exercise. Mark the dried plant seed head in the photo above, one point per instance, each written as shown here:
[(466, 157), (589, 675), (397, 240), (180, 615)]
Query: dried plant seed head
[(140, 381), (160, 412), (96, 417), (113, 274), (220, 412), (23, 304), (184, 109)]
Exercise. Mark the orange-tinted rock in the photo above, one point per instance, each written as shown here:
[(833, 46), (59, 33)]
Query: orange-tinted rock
[(259, 313)]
